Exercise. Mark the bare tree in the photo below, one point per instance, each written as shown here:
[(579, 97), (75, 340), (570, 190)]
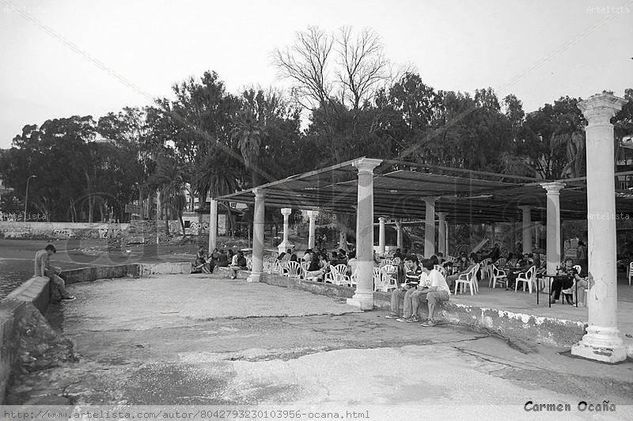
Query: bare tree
[(363, 65), (306, 63), (351, 77)]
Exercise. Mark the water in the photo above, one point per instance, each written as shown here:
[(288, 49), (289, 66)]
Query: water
[(13, 272)]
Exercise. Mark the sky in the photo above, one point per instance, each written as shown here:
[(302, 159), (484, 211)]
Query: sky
[(86, 57)]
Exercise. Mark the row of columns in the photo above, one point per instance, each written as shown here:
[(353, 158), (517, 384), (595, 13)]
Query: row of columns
[(602, 340)]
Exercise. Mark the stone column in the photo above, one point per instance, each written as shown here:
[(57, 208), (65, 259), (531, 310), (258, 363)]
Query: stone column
[(213, 225), (285, 244), (602, 341), (399, 242), (441, 233), (429, 227), (553, 225), (258, 237), (527, 229), (312, 216), (364, 296), (381, 236)]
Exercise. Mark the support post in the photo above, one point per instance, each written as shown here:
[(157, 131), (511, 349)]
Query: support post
[(429, 227), (553, 225), (258, 237), (381, 236), (285, 244), (399, 242), (364, 296), (213, 225), (312, 228), (441, 233), (602, 341), (527, 229)]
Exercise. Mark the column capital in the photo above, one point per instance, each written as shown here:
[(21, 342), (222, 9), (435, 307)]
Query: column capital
[(430, 200), (599, 108), (553, 187), (441, 215), (286, 211), (525, 208), (382, 219), (366, 165), (312, 213), (259, 193)]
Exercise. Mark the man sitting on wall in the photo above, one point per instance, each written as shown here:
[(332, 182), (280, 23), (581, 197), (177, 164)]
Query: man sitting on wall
[(43, 268)]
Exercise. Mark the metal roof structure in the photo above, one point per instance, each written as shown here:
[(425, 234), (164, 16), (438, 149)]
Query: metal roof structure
[(401, 187)]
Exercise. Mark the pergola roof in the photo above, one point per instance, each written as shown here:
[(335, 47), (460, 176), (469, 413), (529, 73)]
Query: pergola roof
[(401, 187)]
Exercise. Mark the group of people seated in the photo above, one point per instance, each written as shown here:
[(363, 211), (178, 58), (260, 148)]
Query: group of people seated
[(318, 262), (204, 263), (424, 282)]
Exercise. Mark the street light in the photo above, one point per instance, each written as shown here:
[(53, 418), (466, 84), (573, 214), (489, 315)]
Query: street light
[(26, 196)]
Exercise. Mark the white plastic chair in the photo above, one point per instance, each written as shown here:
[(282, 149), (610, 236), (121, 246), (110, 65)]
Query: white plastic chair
[(294, 270), (388, 278), (498, 275), (341, 277), (468, 279), (528, 278), (440, 269)]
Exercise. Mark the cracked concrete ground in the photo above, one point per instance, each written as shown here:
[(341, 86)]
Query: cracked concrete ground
[(206, 340)]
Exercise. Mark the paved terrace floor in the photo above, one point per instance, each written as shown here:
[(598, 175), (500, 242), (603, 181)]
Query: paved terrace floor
[(201, 339)]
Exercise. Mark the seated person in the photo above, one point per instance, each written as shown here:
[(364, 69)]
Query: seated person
[(565, 279), (199, 265), (521, 266), (342, 256), (43, 268), (411, 270), (318, 267), (352, 263), (238, 263), (438, 292), (334, 260), (472, 261), (307, 256), (398, 254), (410, 298), (223, 260)]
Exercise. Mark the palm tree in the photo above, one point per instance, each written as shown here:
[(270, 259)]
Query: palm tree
[(170, 179), (217, 174)]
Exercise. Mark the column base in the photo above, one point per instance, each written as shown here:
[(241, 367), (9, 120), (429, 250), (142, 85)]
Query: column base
[(362, 300), (254, 277), (601, 344)]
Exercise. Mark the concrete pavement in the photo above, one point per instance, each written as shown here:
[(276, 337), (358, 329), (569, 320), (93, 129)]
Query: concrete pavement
[(200, 339)]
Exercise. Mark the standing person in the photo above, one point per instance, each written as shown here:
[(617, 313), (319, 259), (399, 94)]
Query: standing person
[(581, 255), (43, 268)]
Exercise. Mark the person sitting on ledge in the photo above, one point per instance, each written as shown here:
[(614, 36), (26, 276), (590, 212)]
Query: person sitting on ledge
[(238, 263), (43, 268), (223, 260), (438, 292), (199, 265)]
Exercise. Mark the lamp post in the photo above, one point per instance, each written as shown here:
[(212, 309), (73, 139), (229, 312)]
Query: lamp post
[(26, 196)]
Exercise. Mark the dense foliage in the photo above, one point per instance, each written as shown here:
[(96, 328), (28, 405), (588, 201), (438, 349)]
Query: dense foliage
[(208, 140)]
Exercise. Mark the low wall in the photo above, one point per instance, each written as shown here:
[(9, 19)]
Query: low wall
[(525, 327), (60, 230), (320, 288), (14, 310)]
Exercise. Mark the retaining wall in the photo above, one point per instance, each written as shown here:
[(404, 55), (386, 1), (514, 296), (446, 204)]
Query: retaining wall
[(60, 230), (14, 310)]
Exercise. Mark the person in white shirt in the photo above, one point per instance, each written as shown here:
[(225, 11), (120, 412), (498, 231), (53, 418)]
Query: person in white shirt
[(438, 292)]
